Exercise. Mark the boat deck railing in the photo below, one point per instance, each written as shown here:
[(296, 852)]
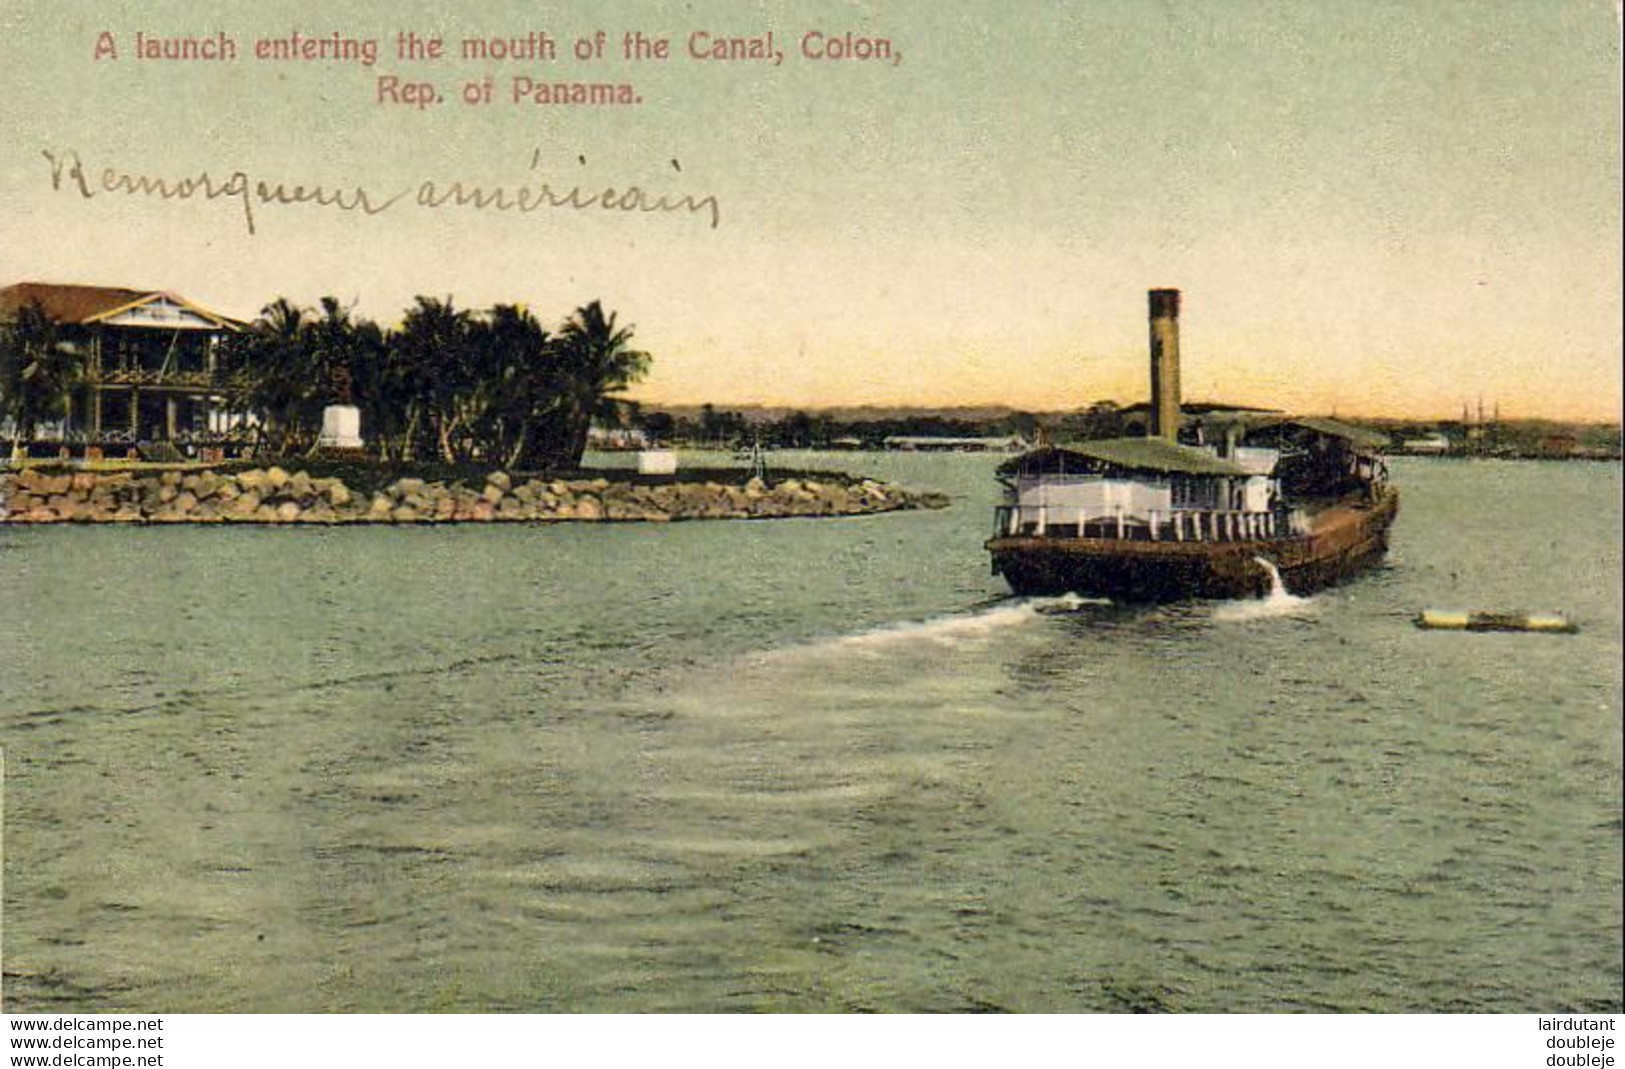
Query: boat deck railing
[(1174, 525)]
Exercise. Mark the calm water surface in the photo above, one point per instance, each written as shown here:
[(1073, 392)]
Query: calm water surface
[(808, 765)]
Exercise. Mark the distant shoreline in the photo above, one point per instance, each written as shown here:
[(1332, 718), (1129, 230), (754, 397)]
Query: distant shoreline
[(765, 410), (875, 427), (1591, 458)]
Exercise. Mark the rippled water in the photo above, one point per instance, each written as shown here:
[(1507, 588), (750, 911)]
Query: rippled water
[(808, 765)]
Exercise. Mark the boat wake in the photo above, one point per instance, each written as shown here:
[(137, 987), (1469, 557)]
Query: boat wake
[(962, 627), (1278, 602), (938, 631)]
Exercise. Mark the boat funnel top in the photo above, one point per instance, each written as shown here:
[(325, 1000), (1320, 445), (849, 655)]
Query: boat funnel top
[(1164, 304)]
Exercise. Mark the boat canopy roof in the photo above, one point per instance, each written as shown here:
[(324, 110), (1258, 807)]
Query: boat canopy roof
[(1252, 421), (1360, 436), (1128, 454)]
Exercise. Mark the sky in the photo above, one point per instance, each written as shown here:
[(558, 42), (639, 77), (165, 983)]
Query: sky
[(1372, 209)]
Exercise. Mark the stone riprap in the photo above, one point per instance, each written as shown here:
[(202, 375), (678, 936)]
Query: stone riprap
[(273, 495)]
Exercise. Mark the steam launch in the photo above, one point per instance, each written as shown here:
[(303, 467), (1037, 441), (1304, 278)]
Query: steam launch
[(1211, 502)]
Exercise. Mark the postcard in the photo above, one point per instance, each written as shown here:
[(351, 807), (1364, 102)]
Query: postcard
[(777, 505)]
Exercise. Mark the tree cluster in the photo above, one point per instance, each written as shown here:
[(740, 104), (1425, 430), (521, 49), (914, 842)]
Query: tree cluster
[(449, 384), (803, 430), (36, 373)]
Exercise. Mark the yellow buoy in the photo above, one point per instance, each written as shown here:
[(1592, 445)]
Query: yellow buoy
[(1447, 620)]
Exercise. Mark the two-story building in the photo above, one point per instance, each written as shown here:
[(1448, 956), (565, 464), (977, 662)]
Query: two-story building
[(151, 364)]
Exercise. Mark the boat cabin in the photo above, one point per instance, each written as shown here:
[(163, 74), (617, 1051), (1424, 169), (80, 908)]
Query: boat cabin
[(1143, 489), (1231, 477), (1312, 456)]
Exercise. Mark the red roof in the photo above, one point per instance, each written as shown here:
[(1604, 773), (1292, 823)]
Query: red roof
[(83, 304)]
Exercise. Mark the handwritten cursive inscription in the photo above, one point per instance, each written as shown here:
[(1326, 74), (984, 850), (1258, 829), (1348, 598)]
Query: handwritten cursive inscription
[(69, 173)]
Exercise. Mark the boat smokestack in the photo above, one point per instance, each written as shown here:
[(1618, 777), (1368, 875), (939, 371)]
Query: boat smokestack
[(1165, 364)]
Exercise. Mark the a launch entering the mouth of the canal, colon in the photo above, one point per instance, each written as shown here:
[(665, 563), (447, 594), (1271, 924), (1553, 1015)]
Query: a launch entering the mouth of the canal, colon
[(1188, 509)]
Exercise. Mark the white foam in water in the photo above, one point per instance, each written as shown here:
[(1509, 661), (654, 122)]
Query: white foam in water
[(1278, 602), (945, 630), (961, 627)]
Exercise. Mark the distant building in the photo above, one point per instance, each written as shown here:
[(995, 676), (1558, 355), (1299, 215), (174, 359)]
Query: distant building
[(1559, 445), (1429, 445), (151, 371), (935, 443), (616, 438)]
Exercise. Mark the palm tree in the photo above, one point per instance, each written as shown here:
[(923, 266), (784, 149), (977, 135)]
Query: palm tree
[(36, 373), (595, 361), (433, 354), (280, 364), (516, 383)]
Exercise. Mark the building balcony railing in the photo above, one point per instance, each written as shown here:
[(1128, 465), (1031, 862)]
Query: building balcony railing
[(110, 437), (152, 377), (1172, 525)]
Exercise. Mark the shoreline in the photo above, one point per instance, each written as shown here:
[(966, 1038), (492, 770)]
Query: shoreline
[(277, 496)]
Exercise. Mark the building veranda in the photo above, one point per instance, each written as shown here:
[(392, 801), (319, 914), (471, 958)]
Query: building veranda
[(152, 380)]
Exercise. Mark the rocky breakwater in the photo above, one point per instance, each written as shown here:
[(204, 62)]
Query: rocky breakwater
[(272, 495)]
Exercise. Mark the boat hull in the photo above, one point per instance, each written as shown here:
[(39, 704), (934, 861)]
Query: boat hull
[(1342, 541)]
